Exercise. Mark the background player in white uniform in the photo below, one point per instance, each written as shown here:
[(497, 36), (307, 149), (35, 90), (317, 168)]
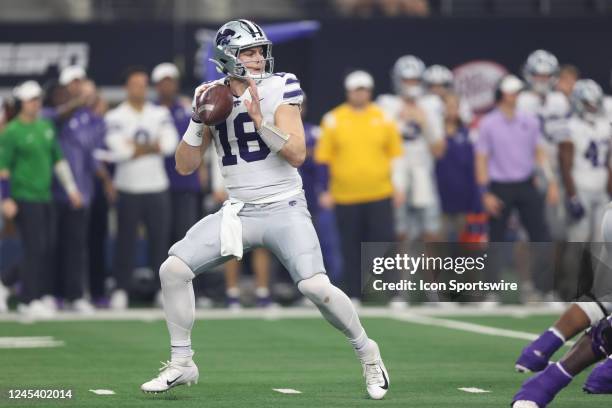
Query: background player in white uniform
[(439, 82), (259, 147), (423, 133), (584, 157), (585, 166), (607, 103), (140, 135), (552, 108)]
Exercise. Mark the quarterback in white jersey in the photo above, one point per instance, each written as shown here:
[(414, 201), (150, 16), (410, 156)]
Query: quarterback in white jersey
[(584, 157), (259, 147), (422, 129)]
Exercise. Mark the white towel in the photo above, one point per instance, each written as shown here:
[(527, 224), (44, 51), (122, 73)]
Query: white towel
[(231, 229), (231, 226)]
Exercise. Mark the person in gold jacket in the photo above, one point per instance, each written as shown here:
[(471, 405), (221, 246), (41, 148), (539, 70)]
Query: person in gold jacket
[(359, 144)]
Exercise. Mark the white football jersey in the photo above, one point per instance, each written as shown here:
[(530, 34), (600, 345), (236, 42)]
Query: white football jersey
[(607, 107), (416, 142), (591, 147), (435, 105), (127, 126), (552, 110), (250, 171), (416, 170)]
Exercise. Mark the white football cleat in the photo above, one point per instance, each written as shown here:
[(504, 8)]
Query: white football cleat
[(82, 306), (172, 374), (49, 302), (36, 309), (119, 300), (524, 404), (4, 295), (375, 373)]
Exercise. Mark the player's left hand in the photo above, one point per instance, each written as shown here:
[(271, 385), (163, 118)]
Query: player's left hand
[(399, 199), (76, 200), (552, 195), (253, 106)]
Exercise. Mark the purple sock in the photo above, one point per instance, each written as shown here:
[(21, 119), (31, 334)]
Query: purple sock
[(548, 343), (543, 387)]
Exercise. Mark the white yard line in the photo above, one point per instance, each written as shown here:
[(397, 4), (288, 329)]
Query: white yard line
[(468, 327), (29, 342), (464, 326), (473, 390), (286, 390), (103, 392)]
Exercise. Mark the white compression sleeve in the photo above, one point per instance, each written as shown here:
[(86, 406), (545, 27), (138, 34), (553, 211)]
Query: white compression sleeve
[(335, 306), (179, 300)]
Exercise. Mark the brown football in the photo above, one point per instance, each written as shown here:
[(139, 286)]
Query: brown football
[(215, 105)]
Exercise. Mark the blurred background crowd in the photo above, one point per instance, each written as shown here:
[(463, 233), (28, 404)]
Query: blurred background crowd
[(479, 149)]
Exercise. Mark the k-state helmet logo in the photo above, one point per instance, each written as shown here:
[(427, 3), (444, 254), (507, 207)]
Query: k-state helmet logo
[(224, 37)]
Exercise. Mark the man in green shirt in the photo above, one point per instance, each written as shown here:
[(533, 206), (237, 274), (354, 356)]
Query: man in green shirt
[(29, 154)]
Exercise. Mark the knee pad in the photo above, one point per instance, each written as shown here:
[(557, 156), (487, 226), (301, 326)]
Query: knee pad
[(592, 310), (317, 289), (175, 270)]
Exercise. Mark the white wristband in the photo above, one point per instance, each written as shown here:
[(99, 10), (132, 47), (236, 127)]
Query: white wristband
[(193, 134), (273, 136)]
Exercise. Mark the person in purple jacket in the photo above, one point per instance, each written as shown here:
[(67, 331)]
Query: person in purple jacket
[(315, 178), (184, 190), (79, 137), (455, 173)]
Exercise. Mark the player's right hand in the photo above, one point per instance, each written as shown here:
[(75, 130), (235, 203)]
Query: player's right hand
[(492, 204), (399, 199), (196, 94), (9, 208), (219, 196), (76, 199), (326, 200), (201, 89)]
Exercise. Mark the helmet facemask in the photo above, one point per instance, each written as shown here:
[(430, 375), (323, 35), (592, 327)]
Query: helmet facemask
[(540, 64), (587, 99), (242, 71), (236, 37)]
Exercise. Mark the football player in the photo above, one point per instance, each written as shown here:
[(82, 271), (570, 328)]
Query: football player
[(586, 178), (584, 162), (541, 72), (422, 128), (259, 147), (439, 82), (593, 346)]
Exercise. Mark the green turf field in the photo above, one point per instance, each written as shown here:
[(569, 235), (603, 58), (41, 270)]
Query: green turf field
[(242, 360)]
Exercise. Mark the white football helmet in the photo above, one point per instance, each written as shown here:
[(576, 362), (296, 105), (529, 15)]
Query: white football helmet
[(408, 67), (587, 98), (231, 39), (541, 62), (438, 75)]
